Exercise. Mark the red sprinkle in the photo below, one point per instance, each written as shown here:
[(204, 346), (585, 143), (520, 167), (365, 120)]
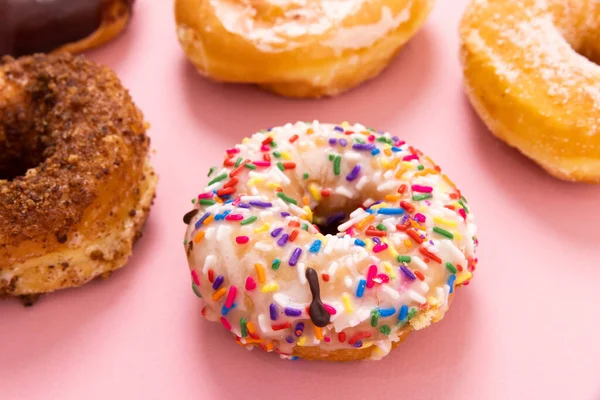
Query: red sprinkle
[(459, 267), (453, 196), (401, 228), (342, 337), (384, 278), (211, 275), (325, 192), (419, 275), (293, 138), (348, 132), (250, 283), (230, 296), (289, 165), (293, 235), (234, 217), (429, 254), (278, 327), (358, 336), (267, 140), (264, 148), (407, 206), (225, 191), (242, 239), (261, 163), (226, 323), (228, 162), (238, 169), (325, 277), (371, 138), (195, 278), (372, 273), (294, 224), (402, 188), (231, 182), (414, 236), (375, 232), (232, 151), (266, 157), (463, 213)]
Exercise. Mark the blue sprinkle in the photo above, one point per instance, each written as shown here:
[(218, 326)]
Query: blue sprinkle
[(283, 239), (293, 358), (218, 282), (403, 313), (276, 232), (371, 211), (273, 312), (358, 344), (375, 151), (360, 290), (396, 149), (315, 246), (409, 274), (225, 310), (292, 312), (359, 242), (451, 280), (299, 329), (343, 142), (387, 312), (390, 211), (228, 201), (289, 339), (201, 220)]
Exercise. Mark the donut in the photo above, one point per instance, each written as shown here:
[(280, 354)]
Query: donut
[(296, 48), (529, 72), (328, 242), (33, 26), (75, 180)]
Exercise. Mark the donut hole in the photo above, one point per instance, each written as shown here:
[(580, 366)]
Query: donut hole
[(328, 216), (21, 149)]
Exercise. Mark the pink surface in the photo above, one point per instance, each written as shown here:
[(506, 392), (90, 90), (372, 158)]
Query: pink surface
[(525, 328)]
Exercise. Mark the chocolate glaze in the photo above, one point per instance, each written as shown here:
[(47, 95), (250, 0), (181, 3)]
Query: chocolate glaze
[(187, 218), (32, 26), (318, 313)]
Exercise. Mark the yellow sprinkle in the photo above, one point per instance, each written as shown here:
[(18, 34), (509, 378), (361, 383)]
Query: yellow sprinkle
[(219, 293), (408, 243), (273, 185), (426, 171), (389, 269), (366, 133), (400, 172), (314, 191), (387, 152), (318, 332), (270, 287), (301, 341), (365, 222), (391, 248), (457, 236), (310, 131), (209, 219), (199, 236), (369, 245), (260, 272), (345, 125), (448, 181), (433, 301), (445, 221), (245, 140), (347, 303), (366, 344), (384, 162), (429, 160), (263, 228), (309, 214), (320, 141), (394, 163), (462, 278), (286, 156)]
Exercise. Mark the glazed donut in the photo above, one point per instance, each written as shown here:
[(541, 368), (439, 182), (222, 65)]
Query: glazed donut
[(296, 48), (528, 78), (75, 181), (265, 265), (33, 26)]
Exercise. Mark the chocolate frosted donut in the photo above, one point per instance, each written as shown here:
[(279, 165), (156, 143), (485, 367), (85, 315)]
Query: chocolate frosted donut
[(75, 181), (32, 26)]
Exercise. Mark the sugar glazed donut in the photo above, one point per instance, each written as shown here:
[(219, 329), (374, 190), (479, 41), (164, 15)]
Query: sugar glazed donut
[(75, 181), (34, 26), (402, 239), (528, 78), (296, 48)]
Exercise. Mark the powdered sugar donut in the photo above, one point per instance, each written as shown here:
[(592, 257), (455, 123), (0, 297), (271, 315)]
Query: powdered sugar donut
[(327, 241)]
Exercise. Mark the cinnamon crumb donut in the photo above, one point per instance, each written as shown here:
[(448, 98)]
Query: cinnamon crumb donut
[(75, 182)]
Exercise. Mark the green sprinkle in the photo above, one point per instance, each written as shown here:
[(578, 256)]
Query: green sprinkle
[(211, 170), (250, 166), (403, 259), (412, 313), (276, 154), (238, 161), (249, 220), (374, 318), (194, 201), (381, 227), (357, 140), (331, 157), (423, 196), (384, 140), (273, 144), (185, 242), (218, 178), (305, 227), (196, 291), (286, 198), (462, 203), (305, 175), (207, 202), (276, 264), (280, 165), (450, 267), (443, 232), (385, 329), (243, 327), (421, 167), (336, 165)]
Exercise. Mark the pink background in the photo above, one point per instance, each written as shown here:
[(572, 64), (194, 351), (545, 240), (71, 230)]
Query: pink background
[(527, 326)]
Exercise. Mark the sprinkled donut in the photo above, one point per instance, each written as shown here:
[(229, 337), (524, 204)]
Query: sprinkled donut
[(327, 242), (528, 77)]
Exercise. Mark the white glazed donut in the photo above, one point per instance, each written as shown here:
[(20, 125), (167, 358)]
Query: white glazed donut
[(406, 240)]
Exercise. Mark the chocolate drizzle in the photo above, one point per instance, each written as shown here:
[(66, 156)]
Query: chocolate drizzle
[(318, 312), (32, 26), (187, 218)]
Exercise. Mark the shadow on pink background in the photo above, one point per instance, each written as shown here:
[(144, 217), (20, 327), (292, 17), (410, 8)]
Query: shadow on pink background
[(525, 328)]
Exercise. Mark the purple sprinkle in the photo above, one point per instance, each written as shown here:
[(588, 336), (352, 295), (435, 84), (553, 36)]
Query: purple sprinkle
[(343, 142), (358, 344), (276, 232), (332, 141), (285, 214), (376, 240), (395, 138), (283, 239), (363, 146), (243, 205), (336, 217), (420, 218), (289, 339), (339, 129), (257, 203), (408, 273), (201, 220), (273, 312), (292, 312), (295, 256), (354, 173), (299, 329), (218, 282)]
